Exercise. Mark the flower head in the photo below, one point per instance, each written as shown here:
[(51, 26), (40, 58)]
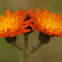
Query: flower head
[(12, 24), (46, 22)]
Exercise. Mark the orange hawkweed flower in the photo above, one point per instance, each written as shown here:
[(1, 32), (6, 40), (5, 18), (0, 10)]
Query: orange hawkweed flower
[(46, 22), (12, 24)]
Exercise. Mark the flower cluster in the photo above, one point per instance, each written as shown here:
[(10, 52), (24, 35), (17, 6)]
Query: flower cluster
[(12, 24)]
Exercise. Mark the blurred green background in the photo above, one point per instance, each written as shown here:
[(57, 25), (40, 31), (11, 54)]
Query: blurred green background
[(51, 52)]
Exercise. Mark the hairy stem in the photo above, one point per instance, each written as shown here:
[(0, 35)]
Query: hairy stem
[(15, 45), (25, 58), (36, 48)]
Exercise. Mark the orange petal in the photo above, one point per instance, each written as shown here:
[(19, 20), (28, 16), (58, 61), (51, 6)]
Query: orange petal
[(22, 13), (6, 35), (1, 36), (24, 26), (30, 11), (38, 11), (28, 21), (15, 14), (12, 35), (18, 33), (26, 30)]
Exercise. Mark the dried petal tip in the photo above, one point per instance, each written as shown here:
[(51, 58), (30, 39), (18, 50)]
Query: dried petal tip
[(10, 39), (44, 39)]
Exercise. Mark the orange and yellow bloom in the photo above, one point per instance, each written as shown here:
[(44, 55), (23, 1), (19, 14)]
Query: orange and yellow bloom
[(12, 24), (46, 22)]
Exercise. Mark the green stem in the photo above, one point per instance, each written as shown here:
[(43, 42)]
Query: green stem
[(15, 45), (36, 48), (25, 58)]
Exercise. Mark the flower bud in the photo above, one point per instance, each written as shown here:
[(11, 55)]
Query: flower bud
[(43, 38), (10, 39)]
